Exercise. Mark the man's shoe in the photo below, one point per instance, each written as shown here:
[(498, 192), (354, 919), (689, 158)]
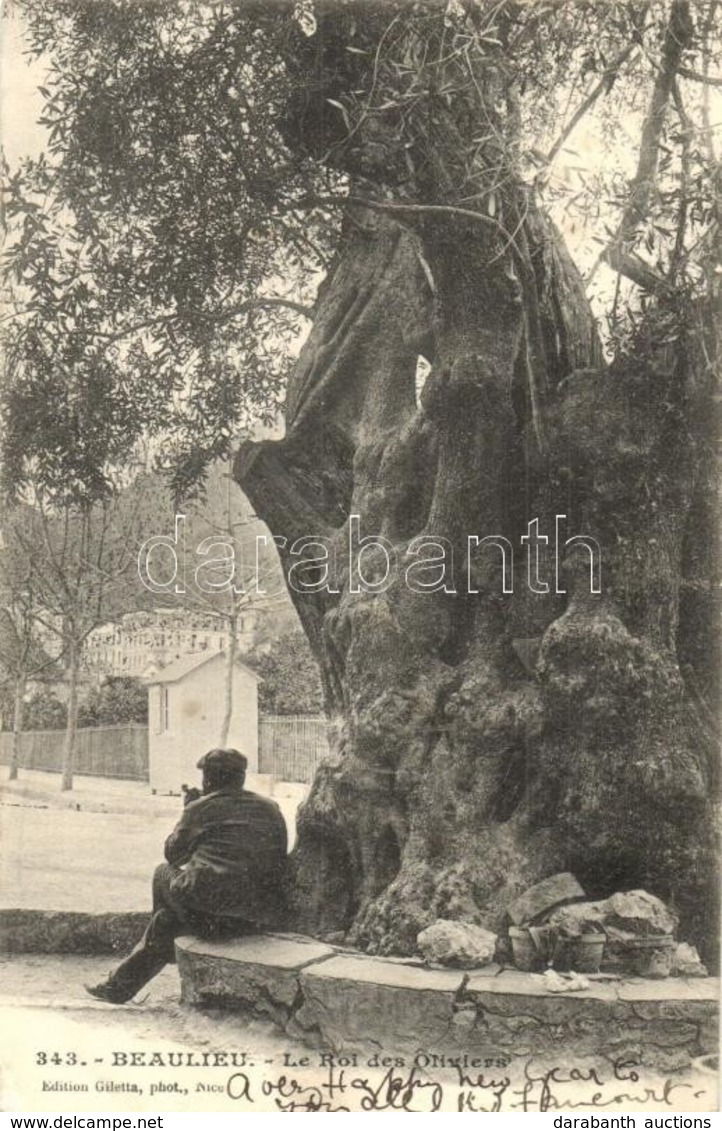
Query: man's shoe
[(105, 992)]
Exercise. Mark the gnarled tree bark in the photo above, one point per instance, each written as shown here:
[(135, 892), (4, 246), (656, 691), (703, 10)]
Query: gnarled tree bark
[(483, 741)]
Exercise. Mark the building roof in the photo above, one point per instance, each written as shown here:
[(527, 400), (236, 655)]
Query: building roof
[(178, 669)]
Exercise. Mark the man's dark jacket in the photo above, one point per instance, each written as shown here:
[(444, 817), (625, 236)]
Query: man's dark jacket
[(232, 845)]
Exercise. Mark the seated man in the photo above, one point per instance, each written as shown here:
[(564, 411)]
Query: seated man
[(225, 873)]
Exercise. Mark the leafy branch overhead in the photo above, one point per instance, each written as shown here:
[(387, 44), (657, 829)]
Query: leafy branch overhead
[(164, 253), (435, 181), (160, 270)]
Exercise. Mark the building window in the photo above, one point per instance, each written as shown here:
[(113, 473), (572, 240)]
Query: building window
[(163, 703)]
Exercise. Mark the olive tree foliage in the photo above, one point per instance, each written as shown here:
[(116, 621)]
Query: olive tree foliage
[(159, 260), (165, 249), (207, 164)]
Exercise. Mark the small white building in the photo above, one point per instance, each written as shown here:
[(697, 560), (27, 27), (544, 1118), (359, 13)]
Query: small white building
[(185, 713)]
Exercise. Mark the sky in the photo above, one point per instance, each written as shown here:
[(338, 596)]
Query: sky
[(20, 103)]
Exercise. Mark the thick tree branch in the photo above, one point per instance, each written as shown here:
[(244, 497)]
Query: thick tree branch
[(635, 269), (221, 316), (259, 303), (708, 135), (424, 209), (681, 226), (619, 255), (517, 244), (695, 76)]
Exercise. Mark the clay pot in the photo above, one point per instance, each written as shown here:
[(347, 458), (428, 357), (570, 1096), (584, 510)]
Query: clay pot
[(527, 956), (582, 954), (650, 957)]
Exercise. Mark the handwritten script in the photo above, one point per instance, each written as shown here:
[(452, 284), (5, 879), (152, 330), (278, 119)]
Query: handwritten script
[(409, 1089)]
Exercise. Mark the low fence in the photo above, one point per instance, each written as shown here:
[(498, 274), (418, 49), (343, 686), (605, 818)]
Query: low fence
[(106, 752), (289, 746)]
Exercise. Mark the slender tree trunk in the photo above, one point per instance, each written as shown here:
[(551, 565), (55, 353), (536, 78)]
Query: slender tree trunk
[(72, 671), (231, 653), (17, 727)]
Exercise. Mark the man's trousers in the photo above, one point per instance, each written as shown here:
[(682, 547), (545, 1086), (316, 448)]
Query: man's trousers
[(170, 919)]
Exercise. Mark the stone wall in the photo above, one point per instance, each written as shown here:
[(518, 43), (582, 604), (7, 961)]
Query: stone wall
[(346, 1001)]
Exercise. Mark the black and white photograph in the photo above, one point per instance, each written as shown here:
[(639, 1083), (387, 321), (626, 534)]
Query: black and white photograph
[(360, 634)]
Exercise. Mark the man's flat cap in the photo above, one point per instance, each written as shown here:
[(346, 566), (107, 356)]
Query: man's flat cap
[(224, 761)]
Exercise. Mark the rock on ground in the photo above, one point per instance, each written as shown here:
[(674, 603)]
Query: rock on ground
[(687, 962), (623, 915), (544, 896), (453, 943)]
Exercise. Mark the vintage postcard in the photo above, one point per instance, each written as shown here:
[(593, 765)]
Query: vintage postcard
[(359, 560)]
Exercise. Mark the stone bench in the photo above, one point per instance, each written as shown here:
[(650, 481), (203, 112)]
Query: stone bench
[(345, 1001)]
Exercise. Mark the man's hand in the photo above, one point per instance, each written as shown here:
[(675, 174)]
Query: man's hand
[(190, 794)]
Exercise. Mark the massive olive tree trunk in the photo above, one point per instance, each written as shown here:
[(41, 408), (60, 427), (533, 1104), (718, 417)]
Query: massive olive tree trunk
[(484, 740)]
